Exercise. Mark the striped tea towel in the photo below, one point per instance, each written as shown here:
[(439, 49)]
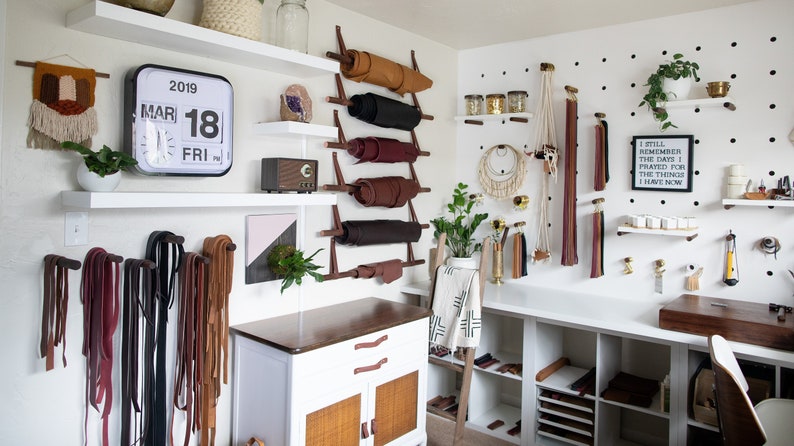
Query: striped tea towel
[(456, 308)]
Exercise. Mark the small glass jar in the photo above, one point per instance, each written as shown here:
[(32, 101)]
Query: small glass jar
[(292, 25), (495, 103), (517, 101), (473, 104)]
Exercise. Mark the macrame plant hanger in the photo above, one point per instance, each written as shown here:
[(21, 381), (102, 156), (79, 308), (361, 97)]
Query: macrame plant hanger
[(545, 148)]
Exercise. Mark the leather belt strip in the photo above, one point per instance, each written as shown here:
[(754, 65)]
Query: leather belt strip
[(137, 325), (190, 342), (597, 263), (569, 254), (99, 293), (165, 250), (601, 175), (220, 251), (55, 308)]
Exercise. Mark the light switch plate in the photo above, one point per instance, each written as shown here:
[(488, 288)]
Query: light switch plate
[(75, 228)]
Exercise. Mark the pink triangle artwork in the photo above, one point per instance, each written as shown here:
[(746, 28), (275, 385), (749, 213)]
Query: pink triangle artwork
[(262, 234)]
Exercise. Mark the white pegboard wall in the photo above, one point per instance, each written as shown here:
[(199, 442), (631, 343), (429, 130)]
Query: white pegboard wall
[(609, 67)]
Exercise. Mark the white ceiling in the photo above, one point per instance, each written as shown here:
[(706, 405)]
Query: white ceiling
[(463, 24)]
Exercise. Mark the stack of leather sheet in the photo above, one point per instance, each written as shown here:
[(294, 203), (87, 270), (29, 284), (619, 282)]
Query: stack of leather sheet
[(376, 70), (630, 389), (390, 192)]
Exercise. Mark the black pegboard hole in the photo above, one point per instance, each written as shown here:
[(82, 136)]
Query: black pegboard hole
[(634, 56), (664, 52), (482, 75), (697, 109), (771, 173), (772, 72), (696, 203), (503, 121), (769, 273), (733, 44), (633, 113), (633, 84), (631, 200), (697, 48), (576, 64), (526, 70), (772, 39), (480, 147), (603, 87), (663, 202), (697, 172), (772, 106), (771, 139), (733, 140), (504, 73), (697, 141), (603, 59)]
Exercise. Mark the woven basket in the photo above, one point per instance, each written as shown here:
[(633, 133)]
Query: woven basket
[(241, 18)]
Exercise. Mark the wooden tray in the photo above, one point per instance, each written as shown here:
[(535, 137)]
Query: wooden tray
[(735, 320)]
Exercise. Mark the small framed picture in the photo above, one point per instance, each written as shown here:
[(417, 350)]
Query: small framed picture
[(662, 162)]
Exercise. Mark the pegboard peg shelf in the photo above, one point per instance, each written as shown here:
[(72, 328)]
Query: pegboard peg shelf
[(481, 119), (729, 203), (687, 233), (725, 102)]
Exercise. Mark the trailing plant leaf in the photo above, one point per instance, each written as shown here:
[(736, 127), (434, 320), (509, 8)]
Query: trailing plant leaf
[(656, 98), (104, 162), (460, 229)]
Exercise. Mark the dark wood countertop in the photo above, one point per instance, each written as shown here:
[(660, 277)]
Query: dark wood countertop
[(308, 330)]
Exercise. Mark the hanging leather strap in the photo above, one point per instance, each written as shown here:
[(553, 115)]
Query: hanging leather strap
[(141, 284), (190, 342), (99, 293), (220, 251), (55, 307), (165, 250)]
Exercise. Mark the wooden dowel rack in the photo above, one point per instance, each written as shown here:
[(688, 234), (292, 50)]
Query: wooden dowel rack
[(174, 239), (231, 247), (24, 63), (63, 262), (114, 258)]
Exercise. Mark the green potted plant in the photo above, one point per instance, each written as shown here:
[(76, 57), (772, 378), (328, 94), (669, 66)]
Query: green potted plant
[(659, 87), (289, 263), (100, 171), (460, 228)]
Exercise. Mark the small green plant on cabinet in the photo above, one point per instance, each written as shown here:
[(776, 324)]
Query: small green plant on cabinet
[(460, 229), (290, 263), (104, 162), (656, 98)]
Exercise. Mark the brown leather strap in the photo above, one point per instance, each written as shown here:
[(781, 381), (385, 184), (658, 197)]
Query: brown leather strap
[(55, 307), (216, 330)]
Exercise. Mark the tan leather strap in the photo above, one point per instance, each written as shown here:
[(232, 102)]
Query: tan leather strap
[(220, 251)]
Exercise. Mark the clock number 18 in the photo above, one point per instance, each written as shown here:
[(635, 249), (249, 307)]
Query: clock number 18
[(207, 123)]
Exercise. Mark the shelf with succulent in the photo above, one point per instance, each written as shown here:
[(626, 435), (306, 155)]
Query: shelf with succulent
[(100, 171), (461, 227), (660, 90), (292, 266)]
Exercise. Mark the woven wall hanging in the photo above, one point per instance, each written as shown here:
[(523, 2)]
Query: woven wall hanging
[(63, 106), (501, 171)]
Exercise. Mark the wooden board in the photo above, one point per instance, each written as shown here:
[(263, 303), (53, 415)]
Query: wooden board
[(735, 320)]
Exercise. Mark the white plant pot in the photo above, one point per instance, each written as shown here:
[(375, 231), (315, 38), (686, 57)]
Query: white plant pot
[(94, 183), (463, 262), (677, 89)]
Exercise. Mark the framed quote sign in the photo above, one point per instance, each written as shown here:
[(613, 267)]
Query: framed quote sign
[(662, 162)]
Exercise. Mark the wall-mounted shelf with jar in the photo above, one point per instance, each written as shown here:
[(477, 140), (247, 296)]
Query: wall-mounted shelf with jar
[(503, 117), (295, 129), (690, 234), (142, 200), (724, 102), (119, 22)]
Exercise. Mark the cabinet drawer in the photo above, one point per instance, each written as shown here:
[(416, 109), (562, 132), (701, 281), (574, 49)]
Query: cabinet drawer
[(356, 350), (364, 368)]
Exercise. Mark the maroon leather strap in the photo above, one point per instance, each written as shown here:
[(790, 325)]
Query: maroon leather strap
[(99, 293), (55, 307)]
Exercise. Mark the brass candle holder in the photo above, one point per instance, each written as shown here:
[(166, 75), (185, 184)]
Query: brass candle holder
[(498, 263)]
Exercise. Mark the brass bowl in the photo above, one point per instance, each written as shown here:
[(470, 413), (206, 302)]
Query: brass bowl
[(718, 89)]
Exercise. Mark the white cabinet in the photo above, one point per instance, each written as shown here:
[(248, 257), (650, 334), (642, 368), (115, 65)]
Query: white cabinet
[(350, 374)]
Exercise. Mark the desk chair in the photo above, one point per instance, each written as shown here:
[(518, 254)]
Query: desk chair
[(770, 422), (470, 352)]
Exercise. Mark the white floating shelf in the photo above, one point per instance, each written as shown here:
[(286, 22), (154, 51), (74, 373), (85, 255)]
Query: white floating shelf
[(726, 102), (690, 234), (119, 22), (140, 200), (295, 129), (479, 119), (728, 203)]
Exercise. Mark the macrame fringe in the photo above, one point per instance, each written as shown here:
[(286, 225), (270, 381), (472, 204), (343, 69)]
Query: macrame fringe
[(48, 128)]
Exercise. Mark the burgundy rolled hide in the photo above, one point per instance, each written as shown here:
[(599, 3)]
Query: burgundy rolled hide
[(389, 271), (382, 150)]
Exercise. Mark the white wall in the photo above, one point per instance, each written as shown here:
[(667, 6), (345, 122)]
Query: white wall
[(609, 67), (31, 218)]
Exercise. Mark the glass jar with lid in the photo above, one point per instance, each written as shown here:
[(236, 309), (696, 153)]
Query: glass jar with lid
[(517, 101), (292, 25), (473, 104), (495, 103)]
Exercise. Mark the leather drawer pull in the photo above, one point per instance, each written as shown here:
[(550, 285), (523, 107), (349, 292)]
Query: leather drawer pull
[(370, 368), (375, 343), (364, 431), (374, 429)]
